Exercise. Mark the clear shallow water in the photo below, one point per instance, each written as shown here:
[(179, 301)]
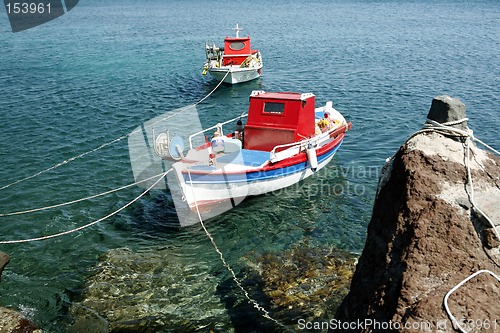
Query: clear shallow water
[(94, 74)]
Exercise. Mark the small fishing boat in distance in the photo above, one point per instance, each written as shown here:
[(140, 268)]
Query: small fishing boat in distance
[(285, 140), (234, 63)]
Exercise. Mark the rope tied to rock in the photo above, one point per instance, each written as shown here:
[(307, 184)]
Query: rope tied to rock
[(447, 129), (467, 135)]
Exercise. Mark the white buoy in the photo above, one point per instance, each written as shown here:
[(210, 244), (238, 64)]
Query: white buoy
[(311, 156), (218, 144)]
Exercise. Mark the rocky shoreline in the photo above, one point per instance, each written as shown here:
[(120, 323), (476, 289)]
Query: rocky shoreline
[(425, 237), (12, 321)]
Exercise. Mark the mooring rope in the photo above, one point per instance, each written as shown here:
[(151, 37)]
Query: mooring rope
[(78, 200), (91, 223), (255, 304), (217, 86), (447, 129), (55, 166), (450, 315)]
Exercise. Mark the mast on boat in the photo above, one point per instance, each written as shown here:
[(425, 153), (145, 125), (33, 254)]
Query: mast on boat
[(237, 29)]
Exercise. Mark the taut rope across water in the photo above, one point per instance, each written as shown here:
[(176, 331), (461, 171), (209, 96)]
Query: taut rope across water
[(160, 177), (55, 166)]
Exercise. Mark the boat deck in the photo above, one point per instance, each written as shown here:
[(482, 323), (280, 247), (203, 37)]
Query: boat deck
[(236, 161), (245, 157)]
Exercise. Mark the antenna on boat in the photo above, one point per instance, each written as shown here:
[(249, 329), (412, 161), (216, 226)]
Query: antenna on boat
[(237, 29)]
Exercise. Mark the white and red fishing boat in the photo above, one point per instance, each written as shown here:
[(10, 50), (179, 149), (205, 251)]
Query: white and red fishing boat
[(285, 140), (234, 63)]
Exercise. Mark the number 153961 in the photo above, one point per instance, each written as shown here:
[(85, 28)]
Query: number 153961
[(27, 8)]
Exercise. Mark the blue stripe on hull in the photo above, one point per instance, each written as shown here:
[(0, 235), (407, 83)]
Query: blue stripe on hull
[(223, 178)]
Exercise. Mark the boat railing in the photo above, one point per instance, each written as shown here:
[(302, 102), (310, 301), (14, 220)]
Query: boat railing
[(292, 144), (219, 125), (293, 148)]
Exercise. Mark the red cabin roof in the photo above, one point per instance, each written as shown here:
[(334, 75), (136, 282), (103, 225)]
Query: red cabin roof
[(278, 118)]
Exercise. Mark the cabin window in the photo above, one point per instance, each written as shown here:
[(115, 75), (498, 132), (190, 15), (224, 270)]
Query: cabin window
[(237, 46), (273, 107)]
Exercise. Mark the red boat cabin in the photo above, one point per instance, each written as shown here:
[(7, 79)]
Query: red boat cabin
[(278, 118), (236, 50)]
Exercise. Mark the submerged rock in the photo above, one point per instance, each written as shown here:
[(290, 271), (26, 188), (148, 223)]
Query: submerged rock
[(148, 292), (154, 292), (14, 322), (303, 282), (424, 238)]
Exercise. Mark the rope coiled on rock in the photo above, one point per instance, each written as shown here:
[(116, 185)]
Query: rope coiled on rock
[(452, 317)]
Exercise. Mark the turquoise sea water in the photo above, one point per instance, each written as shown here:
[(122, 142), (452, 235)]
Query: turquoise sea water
[(94, 74)]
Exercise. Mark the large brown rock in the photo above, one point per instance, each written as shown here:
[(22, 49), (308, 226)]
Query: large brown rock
[(423, 239)]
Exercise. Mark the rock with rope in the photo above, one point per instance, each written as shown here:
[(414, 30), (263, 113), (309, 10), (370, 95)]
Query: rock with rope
[(4, 260), (432, 231)]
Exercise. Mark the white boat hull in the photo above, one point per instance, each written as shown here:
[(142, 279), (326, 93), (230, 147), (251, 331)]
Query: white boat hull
[(208, 193), (236, 74), (211, 200)]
